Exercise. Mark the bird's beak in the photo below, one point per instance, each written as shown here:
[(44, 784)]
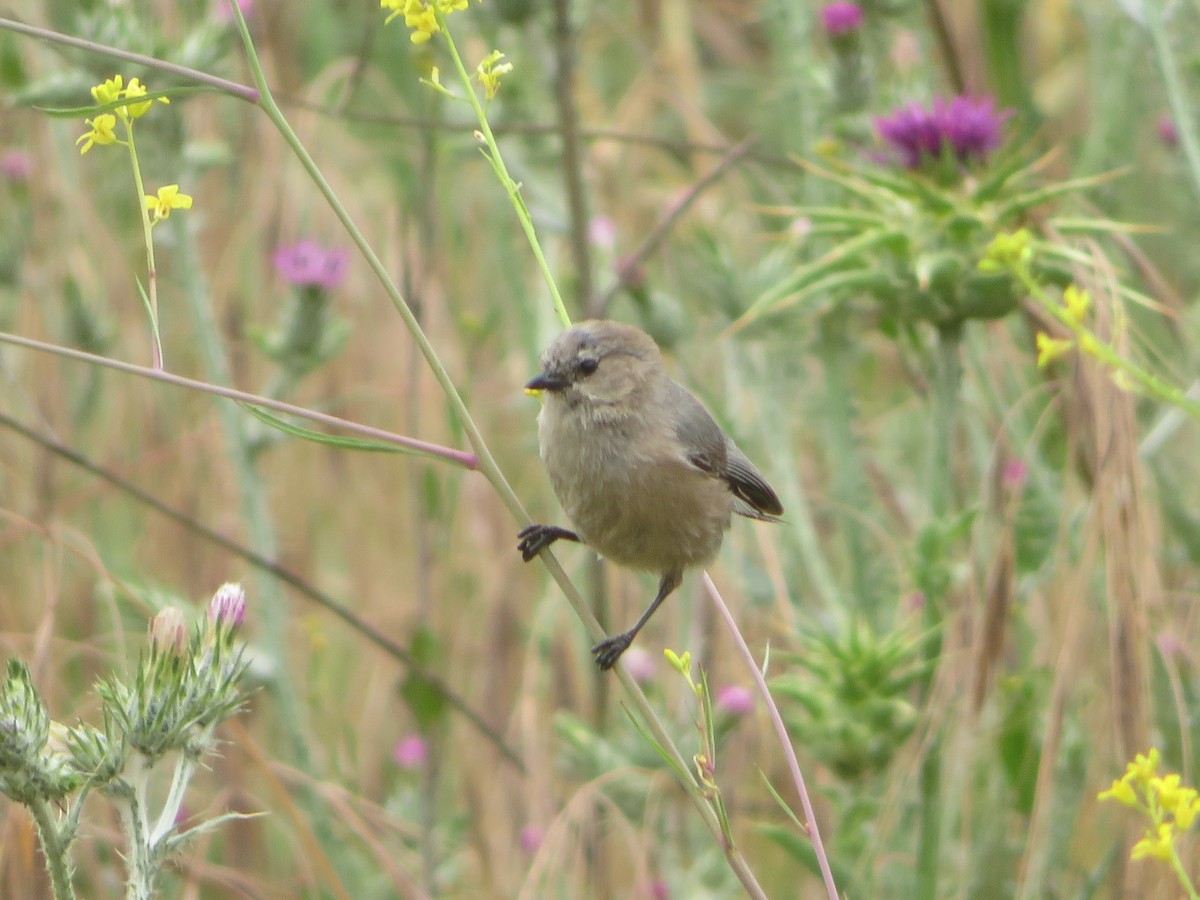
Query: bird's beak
[(546, 382)]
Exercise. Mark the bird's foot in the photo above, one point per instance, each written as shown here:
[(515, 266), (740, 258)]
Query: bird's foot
[(609, 650), (537, 538)]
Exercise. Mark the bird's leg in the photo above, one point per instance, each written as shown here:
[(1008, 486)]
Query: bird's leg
[(537, 538), (609, 650)]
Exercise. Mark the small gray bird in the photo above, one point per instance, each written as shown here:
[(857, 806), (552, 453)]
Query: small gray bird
[(646, 476)]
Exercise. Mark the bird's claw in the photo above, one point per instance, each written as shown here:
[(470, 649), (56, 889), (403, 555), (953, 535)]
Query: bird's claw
[(609, 650)]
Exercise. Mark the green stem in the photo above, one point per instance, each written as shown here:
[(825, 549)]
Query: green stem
[(947, 381), (510, 186), (54, 848), (848, 488), (148, 237), (1181, 107), (1182, 875)]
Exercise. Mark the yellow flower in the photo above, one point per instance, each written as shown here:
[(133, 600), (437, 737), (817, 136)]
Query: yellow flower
[(1008, 252), (1159, 845), (1077, 303), (168, 199), (1121, 791), (1050, 349), (1144, 767), (109, 91), (422, 20), (449, 6), (396, 6), (101, 133), (136, 89), (1185, 813), (489, 73)]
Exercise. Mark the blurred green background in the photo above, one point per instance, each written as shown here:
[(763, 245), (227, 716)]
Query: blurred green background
[(976, 613)]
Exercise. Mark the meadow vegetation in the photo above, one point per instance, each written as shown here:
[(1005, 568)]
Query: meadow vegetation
[(930, 263)]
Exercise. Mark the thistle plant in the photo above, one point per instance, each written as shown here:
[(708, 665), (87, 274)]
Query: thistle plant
[(309, 334), (916, 218), (184, 686), (1170, 807), (121, 104), (853, 693)]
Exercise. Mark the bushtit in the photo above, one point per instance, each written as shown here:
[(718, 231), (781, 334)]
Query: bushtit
[(646, 476)]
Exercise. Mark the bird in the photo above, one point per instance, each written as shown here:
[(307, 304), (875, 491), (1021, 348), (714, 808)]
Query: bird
[(644, 473)]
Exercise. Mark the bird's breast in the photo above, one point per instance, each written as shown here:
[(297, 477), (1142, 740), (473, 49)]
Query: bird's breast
[(629, 493)]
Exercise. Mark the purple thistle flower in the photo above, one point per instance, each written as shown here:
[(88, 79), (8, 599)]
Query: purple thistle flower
[(841, 18), (228, 605), (968, 128), (307, 263)]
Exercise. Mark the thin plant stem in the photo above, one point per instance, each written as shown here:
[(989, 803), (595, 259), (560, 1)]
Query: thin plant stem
[(810, 819), (510, 186), (1182, 875), (946, 384), (1179, 104), (459, 458), (148, 238), (241, 91), (54, 842), (572, 157)]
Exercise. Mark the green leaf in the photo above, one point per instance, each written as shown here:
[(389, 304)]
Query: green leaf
[(332, 440), (84, 112), (423, 697)]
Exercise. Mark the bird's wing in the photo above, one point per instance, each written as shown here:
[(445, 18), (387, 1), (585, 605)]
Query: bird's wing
[(709, 449)]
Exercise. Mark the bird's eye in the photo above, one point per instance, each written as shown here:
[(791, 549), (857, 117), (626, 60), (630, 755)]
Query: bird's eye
[(589, 365)]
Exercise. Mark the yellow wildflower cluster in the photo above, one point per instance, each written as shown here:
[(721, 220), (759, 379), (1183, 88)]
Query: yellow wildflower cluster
[(421, 15), (490, 70), (102, 127), (1075, 305), (1008, 252), (1171, 807)]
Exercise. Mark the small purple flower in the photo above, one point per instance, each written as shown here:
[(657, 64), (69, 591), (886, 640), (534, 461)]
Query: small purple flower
[(411, 752), (602, 232), (307, 263), (1167, 132), (968, 128), (531, 838), (640, 665), (225, 10), (840, 19), (228, 605), (1014, 474), (737, 701), (17, 165)]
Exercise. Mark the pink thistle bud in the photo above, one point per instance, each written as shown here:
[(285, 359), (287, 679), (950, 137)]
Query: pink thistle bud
[(228, 605), (169, 631)]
